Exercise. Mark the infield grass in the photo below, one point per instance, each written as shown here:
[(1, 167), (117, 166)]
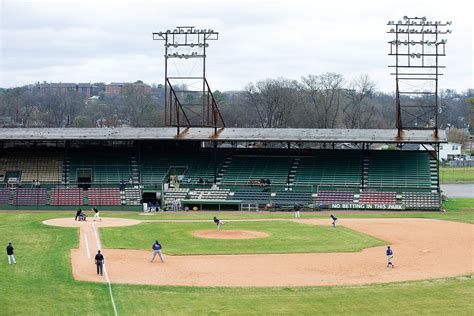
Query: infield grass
[(285, 237), (41, 284)]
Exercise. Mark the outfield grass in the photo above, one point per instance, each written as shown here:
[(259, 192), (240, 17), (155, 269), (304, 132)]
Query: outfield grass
[(285, 237), (453, 175), (41, 284), (438, 297)]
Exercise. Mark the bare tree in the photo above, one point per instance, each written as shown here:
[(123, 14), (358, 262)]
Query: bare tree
[(358, 110), (138, 108), (457, 135), (57, 108), (323, 97), (272, 99)]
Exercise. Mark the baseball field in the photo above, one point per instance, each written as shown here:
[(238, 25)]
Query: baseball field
[(292, 266)]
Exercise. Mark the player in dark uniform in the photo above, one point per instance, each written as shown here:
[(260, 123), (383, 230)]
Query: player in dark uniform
[(11, 256), (78, 214), (389, 253), (157, 251), (99, 262), (334, 220), (218, 222)]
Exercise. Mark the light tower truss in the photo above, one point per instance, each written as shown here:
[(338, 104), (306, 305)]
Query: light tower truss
[(417, 46), (189, 101)]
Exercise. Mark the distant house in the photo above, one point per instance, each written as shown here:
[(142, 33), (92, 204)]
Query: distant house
[(116, 88), (447, 151), (83, 88)]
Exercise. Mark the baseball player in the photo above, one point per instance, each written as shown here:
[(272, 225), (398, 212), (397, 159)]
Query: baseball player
[(218, 222), (334, 220), (297, 208), (96, 214), (157, 251), (11, 257), (389, 253)]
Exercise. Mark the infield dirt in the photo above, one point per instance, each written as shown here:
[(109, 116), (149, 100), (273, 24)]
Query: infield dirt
[(423, 249)]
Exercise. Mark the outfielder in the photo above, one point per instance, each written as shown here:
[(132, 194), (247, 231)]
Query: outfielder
[(334, 220), (11, 256)]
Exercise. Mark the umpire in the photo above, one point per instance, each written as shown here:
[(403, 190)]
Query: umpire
[(99, 262)]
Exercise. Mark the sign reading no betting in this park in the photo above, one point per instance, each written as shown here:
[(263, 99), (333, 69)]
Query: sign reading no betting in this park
[(364, 206)]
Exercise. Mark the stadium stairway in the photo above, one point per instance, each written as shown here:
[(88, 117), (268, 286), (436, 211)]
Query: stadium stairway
[(293, 170), (223, 169), (365, 171), (433, 174), (135, 169)]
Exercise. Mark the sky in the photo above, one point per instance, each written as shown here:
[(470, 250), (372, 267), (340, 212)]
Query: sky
[(111, 41)]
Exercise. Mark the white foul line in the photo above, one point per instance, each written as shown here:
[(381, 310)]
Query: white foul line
[(87, 246), (105, 272)]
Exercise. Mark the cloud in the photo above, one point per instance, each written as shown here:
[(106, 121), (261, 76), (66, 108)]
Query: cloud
[(90, 41)]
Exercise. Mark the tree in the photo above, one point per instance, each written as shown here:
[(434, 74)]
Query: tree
[(358, 111), (18, 104), (58, 109), (456, 135), (323, 96), (82, 121), (138, 108), (470, 101), (272, 99)]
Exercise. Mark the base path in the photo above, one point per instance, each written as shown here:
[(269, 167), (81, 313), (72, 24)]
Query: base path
[(423, 249)]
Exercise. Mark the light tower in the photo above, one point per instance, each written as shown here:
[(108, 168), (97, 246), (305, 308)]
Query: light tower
[(417, 47), (186, 105)]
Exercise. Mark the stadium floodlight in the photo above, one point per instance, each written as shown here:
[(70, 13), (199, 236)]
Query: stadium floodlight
[(416, 47), (177, 111)]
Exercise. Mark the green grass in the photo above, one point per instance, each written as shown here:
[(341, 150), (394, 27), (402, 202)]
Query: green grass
[(452, 175), (438, 297), (285, 237), (41, 284), (457, 209)]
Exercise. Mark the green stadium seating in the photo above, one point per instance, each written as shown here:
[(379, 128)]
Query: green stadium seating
[(244, 168), (106, 168), (402, 169), (196, 165), (330, 167)]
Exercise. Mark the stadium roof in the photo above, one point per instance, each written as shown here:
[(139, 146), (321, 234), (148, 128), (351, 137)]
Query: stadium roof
[(226, 134)]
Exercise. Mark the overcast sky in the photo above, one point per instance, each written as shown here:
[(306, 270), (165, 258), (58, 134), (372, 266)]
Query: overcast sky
[(105, 41)]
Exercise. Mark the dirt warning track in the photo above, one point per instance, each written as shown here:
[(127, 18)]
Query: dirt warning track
[(423, 249)]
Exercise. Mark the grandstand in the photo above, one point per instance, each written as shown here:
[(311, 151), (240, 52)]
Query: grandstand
[(272, 168), (331, 168), (32, 165), (98, 168)]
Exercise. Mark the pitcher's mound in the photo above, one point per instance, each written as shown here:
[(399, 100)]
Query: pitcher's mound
[(229, 234)]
